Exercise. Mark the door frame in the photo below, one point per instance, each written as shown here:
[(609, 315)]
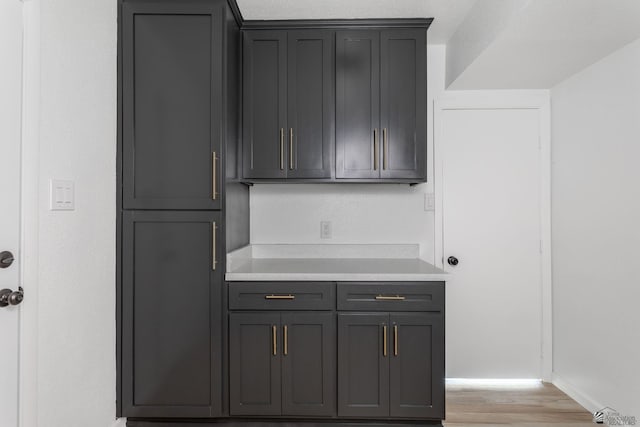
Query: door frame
[(29, 215), (499, 100)]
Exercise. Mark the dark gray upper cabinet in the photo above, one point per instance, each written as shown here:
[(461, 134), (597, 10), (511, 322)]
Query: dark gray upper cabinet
[(403, 103), (264, 115), (417, 365), (381, 104), (357, 104), (310, 103), (170, 299), (288, 110), (172, 104)]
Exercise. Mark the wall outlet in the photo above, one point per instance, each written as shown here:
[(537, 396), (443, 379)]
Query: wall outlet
[(429, 202), (61, 195), (325, 229)]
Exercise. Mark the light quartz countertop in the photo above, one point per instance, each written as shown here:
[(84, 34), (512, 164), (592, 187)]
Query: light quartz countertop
[(330, 263)]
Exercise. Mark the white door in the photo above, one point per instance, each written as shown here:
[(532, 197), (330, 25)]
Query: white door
[(10, 126), (491, 224)]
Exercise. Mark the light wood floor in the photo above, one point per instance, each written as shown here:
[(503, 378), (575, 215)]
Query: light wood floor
[(542, 405)]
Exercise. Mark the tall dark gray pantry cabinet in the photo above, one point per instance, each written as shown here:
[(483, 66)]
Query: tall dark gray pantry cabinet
[(209, 104), (179, 100)]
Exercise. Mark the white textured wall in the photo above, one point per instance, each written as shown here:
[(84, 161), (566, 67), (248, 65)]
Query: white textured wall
[(360, 213), (76, 314), (596, 233)]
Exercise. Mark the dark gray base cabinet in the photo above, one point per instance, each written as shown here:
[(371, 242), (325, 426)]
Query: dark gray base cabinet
[(390, 365), (282, 364), (382, 360)]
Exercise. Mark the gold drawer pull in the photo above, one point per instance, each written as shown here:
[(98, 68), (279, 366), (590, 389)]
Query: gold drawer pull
[(390, 298), (291, 148), (214, 239), (281, 149), (274, 331), (214, 176), (286, 340), (280, 296), (384, 340), (385, 150), (375, 149), (395, 340)]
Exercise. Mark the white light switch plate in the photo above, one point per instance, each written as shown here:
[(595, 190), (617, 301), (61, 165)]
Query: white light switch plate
[(61, 195), (429, 202), (325, 229)]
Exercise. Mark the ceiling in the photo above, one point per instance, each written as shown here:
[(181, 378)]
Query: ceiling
[(491, 44), (542, 43), (447, 14)]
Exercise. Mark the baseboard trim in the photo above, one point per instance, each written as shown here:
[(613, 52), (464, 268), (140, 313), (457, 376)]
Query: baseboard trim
[(573, 392), (281, 423)]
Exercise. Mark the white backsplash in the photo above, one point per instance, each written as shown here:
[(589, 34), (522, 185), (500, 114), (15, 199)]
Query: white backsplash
[(359, 214)]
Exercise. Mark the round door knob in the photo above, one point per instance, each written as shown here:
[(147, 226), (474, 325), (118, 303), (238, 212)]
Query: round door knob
[(9, 297), (452, 261), (16, 297)]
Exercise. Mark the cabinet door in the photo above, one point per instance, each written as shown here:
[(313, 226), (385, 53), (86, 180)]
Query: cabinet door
[(357, 104), (363, 365), (403, 78), (265, 151), (311, 112), (417, 365), (255, 343), (308, 364), (171, 316), (171, 105)]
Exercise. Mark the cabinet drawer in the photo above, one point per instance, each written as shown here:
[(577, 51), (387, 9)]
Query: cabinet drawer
[(404, 296), (282, 296)]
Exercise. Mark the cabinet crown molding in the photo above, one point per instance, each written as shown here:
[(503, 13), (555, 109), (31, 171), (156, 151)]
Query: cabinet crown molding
[(291, 24)]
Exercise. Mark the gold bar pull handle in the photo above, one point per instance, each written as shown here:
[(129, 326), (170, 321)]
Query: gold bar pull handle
[(375, 149), (384, 340), (214, 261), (390, 298), (214, 176), (274, 332), (395, 340), (385, 150), (286, 340), (280, 296), (281, 149), (291, 149)]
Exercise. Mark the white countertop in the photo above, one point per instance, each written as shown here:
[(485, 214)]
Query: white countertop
[(330, 263)]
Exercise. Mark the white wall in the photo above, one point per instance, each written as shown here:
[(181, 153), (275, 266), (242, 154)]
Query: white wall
[(360, 213), (76, 274), (596, 236)]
